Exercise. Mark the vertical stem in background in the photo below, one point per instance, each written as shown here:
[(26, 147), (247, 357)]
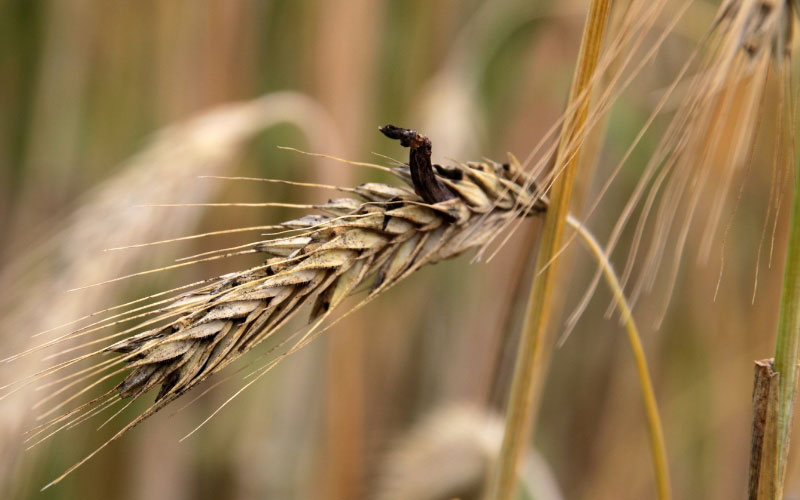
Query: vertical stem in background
[(343, 88), (535, 346), (786, 348)]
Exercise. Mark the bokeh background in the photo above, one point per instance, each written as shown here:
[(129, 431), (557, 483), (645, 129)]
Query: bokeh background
[(105, 106)]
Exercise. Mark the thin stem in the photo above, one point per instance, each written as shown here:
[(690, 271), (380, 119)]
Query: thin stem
[(658, 448), (788, 342), (535, 346)]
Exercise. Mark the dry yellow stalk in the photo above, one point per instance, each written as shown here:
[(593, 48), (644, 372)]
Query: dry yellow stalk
[(535, 344)]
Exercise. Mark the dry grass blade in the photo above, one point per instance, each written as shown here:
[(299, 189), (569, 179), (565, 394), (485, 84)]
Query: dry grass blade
[(373, 239)]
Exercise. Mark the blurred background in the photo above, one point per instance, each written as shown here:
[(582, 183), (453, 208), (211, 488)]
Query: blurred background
[(106, 106)]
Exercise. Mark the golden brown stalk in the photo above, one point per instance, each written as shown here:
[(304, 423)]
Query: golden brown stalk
[(535, 345), (374, 239)]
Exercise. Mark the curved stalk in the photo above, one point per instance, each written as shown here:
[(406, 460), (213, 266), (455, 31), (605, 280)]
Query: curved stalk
[(658, 448)]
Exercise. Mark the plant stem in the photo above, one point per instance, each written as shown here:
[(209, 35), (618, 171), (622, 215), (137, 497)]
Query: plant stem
[(535, 346), (658, 448), (786, 348), (761, 481)]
